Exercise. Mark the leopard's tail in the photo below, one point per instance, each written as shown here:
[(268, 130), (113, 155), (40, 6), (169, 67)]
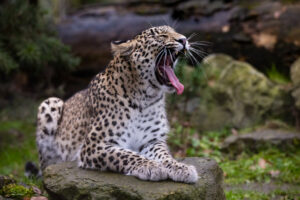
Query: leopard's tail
[(48, 118)]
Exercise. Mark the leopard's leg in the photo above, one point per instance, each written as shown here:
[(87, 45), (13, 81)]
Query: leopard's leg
[(49, 115), (105, 156), (177, 171)]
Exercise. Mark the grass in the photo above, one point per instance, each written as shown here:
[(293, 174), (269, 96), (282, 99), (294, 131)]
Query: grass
[(241, 194), (271, 165), (254, 195), (17, 146), (277, 77), (281, 167)]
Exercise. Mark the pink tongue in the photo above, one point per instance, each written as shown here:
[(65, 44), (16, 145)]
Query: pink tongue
[(174, 80)]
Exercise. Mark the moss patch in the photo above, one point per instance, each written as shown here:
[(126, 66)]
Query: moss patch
[(16, 191)]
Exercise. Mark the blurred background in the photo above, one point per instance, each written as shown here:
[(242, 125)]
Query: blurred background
[(241, 104)]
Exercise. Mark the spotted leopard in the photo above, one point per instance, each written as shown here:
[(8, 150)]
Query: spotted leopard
[(119, 122)]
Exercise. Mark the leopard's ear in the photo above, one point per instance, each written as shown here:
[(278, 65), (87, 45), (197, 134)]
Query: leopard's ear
[(123, 48)]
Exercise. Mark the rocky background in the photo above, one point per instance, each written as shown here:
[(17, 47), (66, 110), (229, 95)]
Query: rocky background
[(240, 107), (263, 33)]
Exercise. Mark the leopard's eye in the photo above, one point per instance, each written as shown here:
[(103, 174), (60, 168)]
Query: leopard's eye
[(164, 36)]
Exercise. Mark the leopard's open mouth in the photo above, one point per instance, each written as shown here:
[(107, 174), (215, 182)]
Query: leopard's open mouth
[(165, 69)]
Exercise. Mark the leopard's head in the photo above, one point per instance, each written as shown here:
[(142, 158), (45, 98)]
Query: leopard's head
[(154, 54)]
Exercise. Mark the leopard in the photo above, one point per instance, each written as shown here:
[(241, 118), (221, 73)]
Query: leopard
[(119, 122)]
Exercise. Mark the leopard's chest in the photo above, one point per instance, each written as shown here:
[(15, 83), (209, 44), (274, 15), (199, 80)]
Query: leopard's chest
[(147, 126)]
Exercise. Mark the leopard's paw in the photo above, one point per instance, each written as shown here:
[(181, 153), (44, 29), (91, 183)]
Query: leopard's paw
[(183, 173), (152, 171)]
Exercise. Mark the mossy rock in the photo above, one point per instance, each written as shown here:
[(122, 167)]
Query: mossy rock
[(66, 181), (260, 140), (235, 94)]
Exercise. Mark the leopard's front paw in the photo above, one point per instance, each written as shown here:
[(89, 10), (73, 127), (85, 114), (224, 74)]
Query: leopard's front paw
[(183, 173), (152, 171)]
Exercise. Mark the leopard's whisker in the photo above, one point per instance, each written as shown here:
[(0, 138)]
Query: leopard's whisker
[(161, 51), (193, 58), (171, 55), (165, 59), (198, 52), (191, 36), (203, 43), (161, 55)]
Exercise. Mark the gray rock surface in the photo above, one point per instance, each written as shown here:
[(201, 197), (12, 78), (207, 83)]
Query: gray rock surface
[(262, 139), (65, 181), (265, 188)]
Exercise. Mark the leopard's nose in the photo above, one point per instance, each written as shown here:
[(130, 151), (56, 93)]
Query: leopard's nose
[(182, 41)]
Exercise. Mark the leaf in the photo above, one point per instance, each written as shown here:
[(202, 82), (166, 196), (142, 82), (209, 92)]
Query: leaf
[(262, 163), (39, 198), (234, 132), (274, 173)]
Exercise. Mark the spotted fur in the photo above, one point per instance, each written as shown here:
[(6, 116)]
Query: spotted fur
[(119, 122)]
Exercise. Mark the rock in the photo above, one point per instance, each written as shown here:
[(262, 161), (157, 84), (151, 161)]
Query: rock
[(269, 28), (200, 8), (296, 95), (262, 139), (65, 181), (236, 94), (295, 76), (269, 187)]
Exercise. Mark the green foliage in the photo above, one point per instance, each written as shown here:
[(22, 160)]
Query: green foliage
[(16, 191), (27, 42), (192, 79), (191, 143), (275, 76), (17, 146), (238, 194), (7, 63)]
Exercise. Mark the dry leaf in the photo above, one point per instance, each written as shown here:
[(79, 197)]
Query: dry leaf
[(265, 40), (234, 132), (36, 190), (262, 163), (274, 173), (39, 198), (207, 151), (253, 167), (225, 28)]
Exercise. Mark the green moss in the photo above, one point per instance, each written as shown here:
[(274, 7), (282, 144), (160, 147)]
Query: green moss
[(16, 191)]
